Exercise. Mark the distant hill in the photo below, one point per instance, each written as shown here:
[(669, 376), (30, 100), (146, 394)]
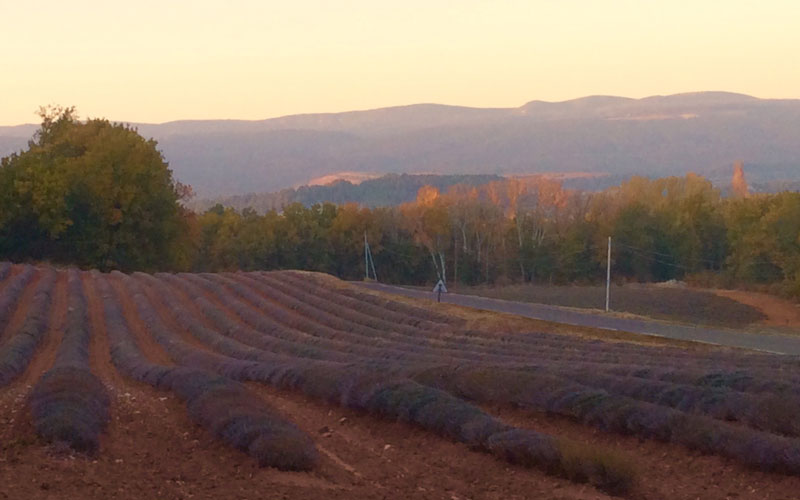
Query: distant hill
[(703, 132)]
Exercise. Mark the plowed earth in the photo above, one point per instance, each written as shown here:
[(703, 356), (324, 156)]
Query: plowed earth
[(152, 450), (779, 312)]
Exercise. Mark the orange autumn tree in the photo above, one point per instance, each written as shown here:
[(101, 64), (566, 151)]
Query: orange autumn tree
[(427, 219)]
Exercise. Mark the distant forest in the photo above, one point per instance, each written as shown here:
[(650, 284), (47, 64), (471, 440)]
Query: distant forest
[(98, 195), (395, 189), (385, 191)]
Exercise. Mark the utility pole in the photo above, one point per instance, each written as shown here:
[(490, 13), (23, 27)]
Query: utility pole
[(372, 264), (366, 257), (455, 258), (608, 276), (369, 262)]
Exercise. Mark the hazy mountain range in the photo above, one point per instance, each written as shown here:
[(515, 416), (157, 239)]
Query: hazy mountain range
[(662, 135)]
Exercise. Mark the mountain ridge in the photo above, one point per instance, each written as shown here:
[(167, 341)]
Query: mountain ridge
[(655, 135), (732, 96)]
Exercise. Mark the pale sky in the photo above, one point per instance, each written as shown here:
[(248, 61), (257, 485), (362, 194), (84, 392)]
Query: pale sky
[(156, 61)]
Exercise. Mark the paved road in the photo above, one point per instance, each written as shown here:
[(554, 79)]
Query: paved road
[(781, 344)]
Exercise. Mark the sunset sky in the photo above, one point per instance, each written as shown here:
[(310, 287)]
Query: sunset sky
[(156, 61)]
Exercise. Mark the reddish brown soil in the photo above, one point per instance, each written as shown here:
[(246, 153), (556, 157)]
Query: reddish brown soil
[(146, 343), (46, 353), (189, 304), (211, 297), (779, 312), (152, 450), (168, 319)]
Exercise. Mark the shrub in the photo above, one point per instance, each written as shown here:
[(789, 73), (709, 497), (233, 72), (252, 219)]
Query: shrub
[(70, 404)]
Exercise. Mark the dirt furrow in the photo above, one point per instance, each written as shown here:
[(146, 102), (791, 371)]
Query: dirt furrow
[(332, 468), (152, 450), (395, 460), (13, 398), (382, 459), (146, 343), (46, 352), (166, 315), (212, 298)]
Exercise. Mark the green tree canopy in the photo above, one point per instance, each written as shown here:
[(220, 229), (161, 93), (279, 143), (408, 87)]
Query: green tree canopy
[(91, 193)]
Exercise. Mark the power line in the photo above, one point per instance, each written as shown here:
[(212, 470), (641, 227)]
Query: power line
[(655, 259), (661, 254), (399, 254)]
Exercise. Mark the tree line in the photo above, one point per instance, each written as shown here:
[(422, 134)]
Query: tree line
[(97, 194), (526, 231)]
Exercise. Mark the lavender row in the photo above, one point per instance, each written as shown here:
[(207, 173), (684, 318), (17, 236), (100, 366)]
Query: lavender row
[(762, 411), (704, 401), (700, 400), (537, 340), (573, 355), (368, 342), (69, 403), (322, 311), (652, 411), (598, 408), (226, 408), (333, 302), (187, 319), (5, 270), (391, 305), (16, 353), (270, 336), (12, 292), (538, 344), (392, 397), (271, 319)]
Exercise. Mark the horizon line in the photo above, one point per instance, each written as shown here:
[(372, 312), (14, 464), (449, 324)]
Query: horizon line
[(428, 103)]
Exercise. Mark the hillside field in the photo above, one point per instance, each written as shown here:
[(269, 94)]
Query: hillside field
[(297, 385), (684, 305)]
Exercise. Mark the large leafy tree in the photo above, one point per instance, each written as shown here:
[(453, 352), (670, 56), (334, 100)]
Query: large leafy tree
[(91, 193)]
